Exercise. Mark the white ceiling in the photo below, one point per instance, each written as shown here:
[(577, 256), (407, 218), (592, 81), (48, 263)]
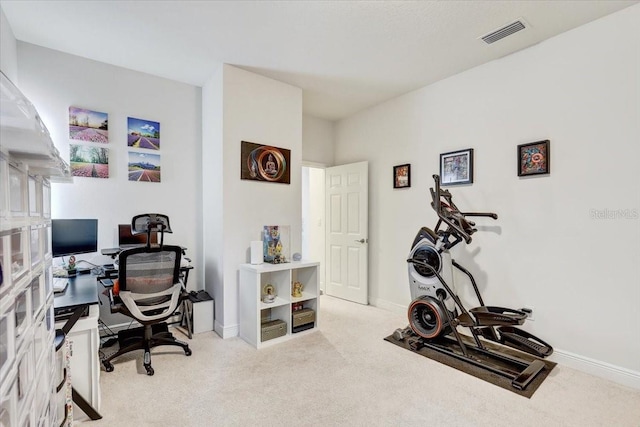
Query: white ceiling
[(345, 55)]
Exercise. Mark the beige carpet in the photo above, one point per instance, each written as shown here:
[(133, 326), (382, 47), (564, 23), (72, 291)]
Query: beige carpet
[(343, 374)]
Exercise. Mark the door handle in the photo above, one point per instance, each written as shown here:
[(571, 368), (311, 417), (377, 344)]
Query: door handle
[(362, 240)]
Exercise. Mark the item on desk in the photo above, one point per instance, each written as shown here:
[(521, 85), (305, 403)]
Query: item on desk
[(60, 271), (110, 272), (59, 284), (112, 252), (106, 282), (71, 267)]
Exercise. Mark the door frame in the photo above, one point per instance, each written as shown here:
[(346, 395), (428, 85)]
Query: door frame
[(305, 227)]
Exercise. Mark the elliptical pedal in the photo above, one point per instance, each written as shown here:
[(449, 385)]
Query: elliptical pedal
[(496, 316), (523, 340)]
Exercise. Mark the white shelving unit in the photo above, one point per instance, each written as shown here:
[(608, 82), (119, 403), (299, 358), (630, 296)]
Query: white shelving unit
[(253, 311), (28, 161)]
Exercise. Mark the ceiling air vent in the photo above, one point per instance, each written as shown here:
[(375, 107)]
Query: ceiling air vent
[(505, 31)]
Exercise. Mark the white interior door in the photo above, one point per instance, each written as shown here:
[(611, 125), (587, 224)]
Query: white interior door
[(347, 220)]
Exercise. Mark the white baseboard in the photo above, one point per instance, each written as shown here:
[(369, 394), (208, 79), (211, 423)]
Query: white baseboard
[(389, 306), (617, 374), (598, 368), (226, 331)]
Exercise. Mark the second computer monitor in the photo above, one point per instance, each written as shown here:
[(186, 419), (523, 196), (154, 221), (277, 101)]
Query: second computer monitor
[(127, 240)]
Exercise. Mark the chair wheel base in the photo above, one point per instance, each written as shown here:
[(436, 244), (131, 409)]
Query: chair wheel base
[(150, 370), (108, 366), (187, 352)]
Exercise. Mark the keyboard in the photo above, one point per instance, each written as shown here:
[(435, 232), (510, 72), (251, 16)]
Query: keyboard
[(60, 284)]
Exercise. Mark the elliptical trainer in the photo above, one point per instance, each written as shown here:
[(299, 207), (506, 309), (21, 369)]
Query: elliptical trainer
[(436, 310)]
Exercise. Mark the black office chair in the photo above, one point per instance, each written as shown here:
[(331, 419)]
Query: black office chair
[(150, 291)]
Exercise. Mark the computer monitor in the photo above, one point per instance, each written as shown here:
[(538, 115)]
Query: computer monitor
[(74, 236), (126, 239)]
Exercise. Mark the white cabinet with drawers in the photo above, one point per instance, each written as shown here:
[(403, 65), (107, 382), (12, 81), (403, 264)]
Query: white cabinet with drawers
[(28, 160)]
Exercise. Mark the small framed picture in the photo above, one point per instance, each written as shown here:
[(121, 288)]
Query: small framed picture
[(402, 176), (456, 167), (533, 158)]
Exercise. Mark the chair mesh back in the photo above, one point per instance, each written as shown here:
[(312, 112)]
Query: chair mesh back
[(149, 272)]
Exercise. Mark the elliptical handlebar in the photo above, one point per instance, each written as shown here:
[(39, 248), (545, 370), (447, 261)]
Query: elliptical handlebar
[(449, 213), (486, 214)]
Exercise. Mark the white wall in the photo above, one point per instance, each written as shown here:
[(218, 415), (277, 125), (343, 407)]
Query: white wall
[(317, 140), (54, 81), (580, 90), (212, 164), (263, 111), (8, 50)]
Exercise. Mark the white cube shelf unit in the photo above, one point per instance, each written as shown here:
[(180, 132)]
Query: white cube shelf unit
[(254, 312)]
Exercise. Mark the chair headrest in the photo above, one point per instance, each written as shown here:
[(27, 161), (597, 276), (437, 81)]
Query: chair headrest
[(150, 222)]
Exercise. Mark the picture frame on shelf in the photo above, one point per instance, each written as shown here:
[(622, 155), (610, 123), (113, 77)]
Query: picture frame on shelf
[(533, 158), (402, 176), (276, 243), (456, 167)]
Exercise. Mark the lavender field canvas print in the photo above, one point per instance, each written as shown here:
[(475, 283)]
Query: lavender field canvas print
[(144, 167), (143, 134), (89, 162), (87, 125)]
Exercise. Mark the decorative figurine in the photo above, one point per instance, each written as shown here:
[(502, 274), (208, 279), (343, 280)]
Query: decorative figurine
[(297, 290), (71, 268), (269, 292)]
